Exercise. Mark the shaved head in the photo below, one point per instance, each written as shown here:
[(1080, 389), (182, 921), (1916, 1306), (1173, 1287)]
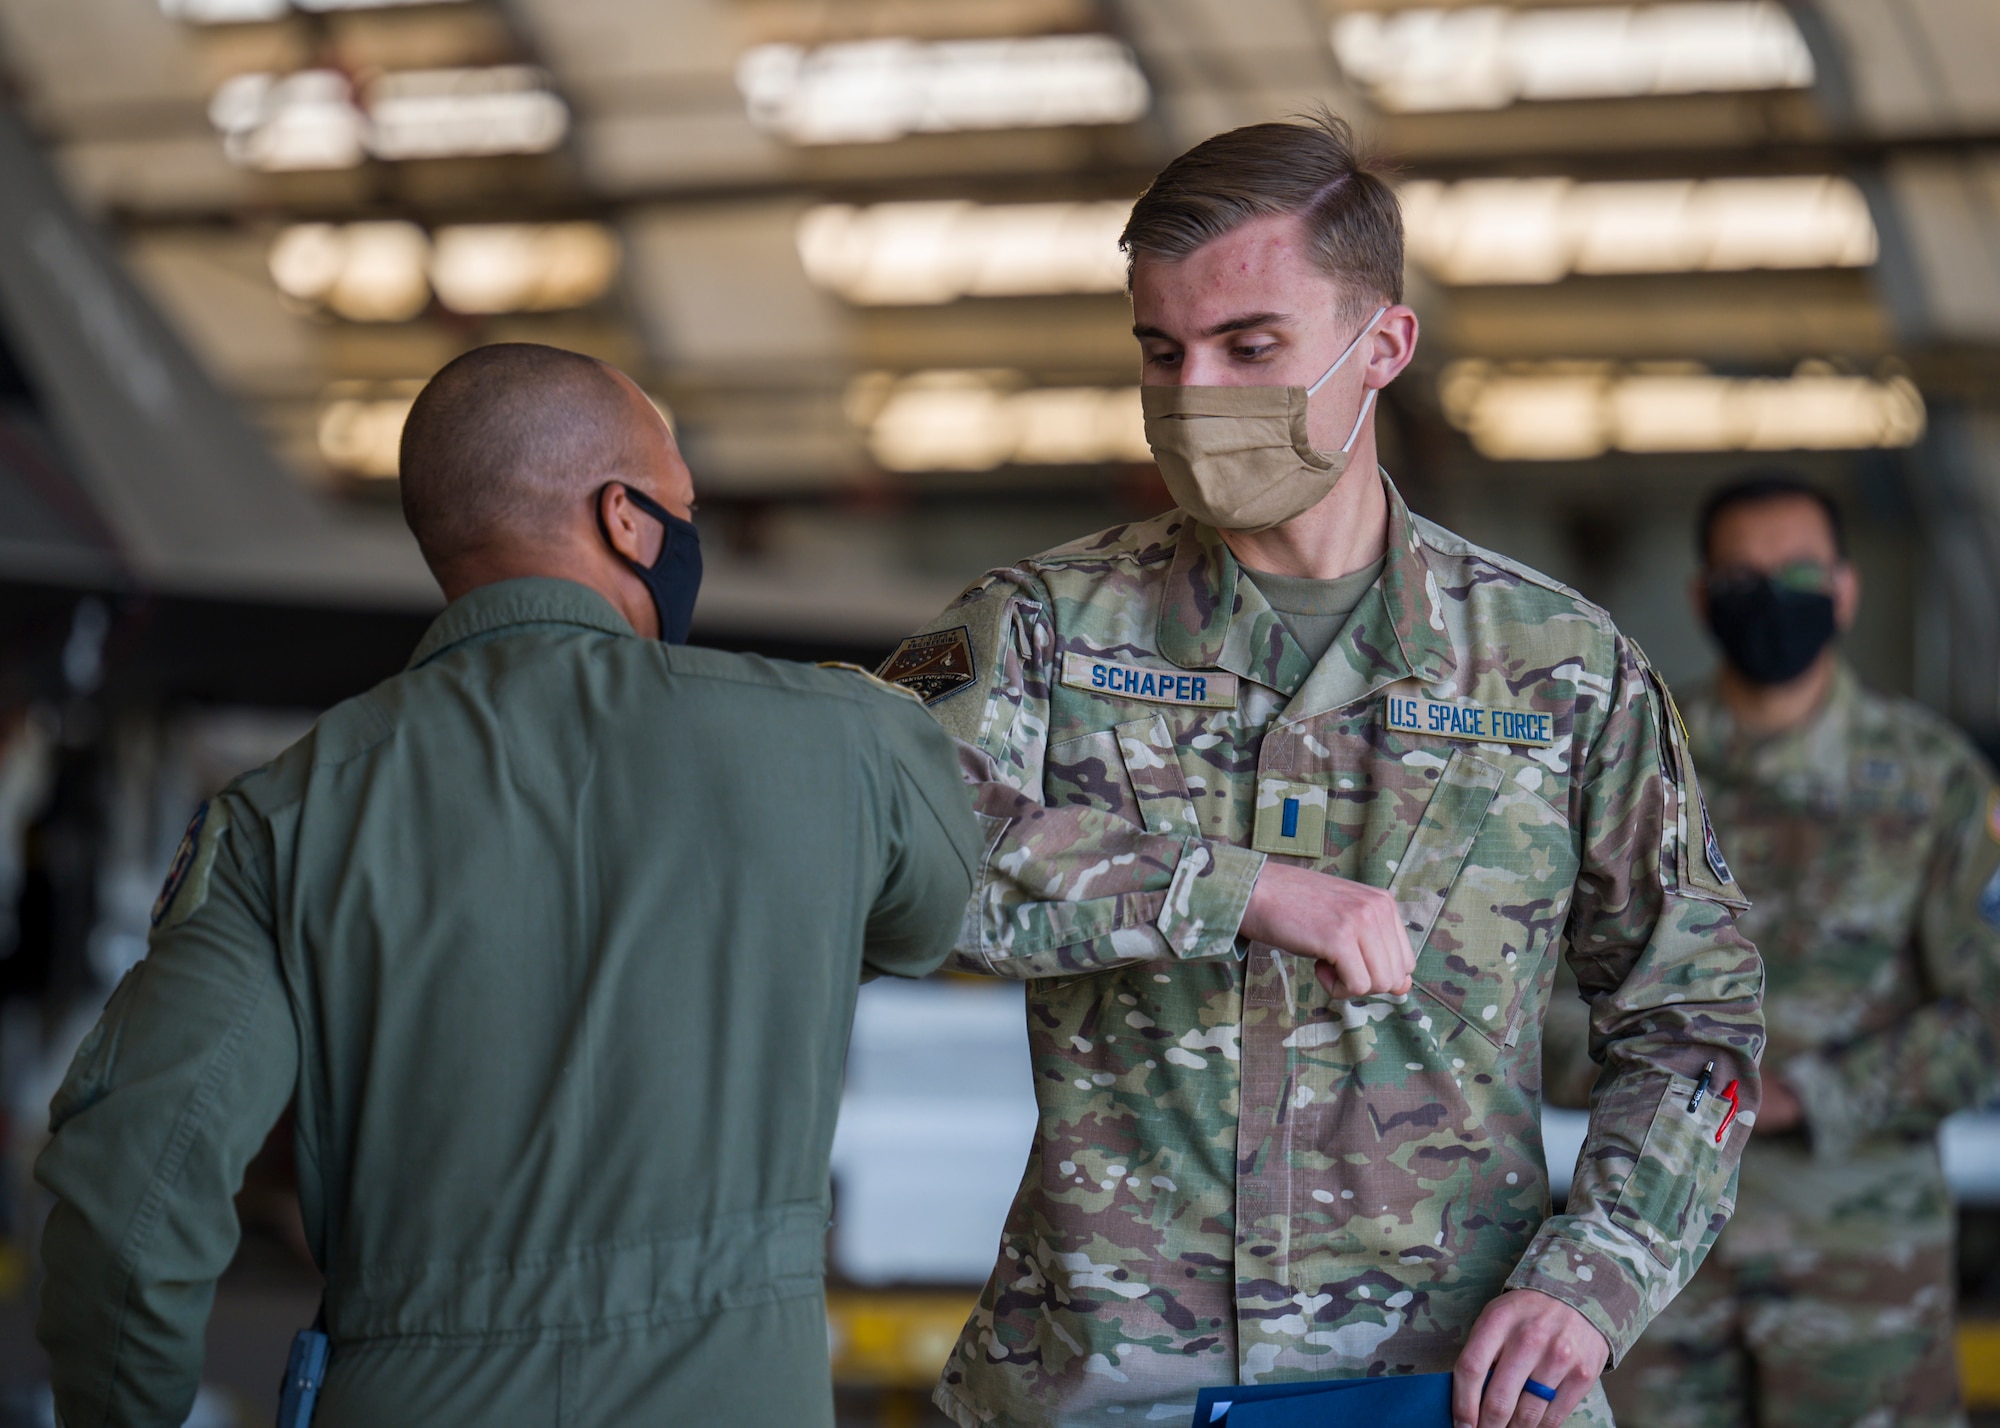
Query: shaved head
[(506, 444)]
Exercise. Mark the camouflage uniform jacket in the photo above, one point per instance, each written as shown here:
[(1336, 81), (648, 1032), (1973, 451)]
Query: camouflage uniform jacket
[(1870, 838), (1235, 1180)]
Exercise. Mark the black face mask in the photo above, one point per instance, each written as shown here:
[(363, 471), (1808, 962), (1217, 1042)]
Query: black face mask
[(1769, 631), (675, 576)]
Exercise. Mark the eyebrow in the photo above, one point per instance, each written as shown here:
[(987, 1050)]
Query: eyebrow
[(1246, 323)]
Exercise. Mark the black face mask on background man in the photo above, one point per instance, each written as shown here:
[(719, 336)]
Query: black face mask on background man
[(1770, 631), (674, 577)]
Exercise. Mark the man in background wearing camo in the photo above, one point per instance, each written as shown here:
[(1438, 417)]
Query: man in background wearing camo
[(1867, 832), (1292, 715)]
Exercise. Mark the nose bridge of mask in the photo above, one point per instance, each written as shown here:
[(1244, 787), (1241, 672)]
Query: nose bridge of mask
[(1368, 401)]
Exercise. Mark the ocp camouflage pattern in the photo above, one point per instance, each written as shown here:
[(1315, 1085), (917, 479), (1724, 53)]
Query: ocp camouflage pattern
[(1865, 838), (1235, 1179)]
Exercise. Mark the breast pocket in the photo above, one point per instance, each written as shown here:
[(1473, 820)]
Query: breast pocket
[(1485, 887), (1130, 770)]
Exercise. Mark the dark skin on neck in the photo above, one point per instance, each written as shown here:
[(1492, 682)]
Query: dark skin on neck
[(576, 550), (1767, 536)]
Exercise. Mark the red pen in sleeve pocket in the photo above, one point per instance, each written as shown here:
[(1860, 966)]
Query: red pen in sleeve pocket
[(1728, 1094)]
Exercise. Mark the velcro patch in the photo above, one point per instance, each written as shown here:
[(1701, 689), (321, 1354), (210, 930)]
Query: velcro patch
[(1479, 723), (1712, 847), (1993, 814), (186, 887), (933, 666), (1206, 689)]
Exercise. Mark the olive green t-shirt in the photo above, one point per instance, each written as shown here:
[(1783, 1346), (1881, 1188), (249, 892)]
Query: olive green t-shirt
[(1314, 610)]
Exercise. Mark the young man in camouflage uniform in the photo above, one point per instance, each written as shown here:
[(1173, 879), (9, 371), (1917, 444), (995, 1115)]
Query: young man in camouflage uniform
[(1293, 715), (1868, 832)]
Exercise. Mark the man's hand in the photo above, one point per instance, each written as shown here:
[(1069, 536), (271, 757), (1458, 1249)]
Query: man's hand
[(1355, 932), (1781, 1109), (1525, 1335)]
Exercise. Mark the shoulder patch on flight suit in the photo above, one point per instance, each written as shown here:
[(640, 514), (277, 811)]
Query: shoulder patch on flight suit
[(872, 678), (186, 887), (1989, 901), (934, 666)]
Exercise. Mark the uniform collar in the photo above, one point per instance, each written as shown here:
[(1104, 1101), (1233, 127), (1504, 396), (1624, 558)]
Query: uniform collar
[(1211, 618), (1811, 753), (534, 600)]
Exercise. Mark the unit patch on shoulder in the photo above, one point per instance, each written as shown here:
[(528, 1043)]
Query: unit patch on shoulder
[(186, 887), (1712, 847), (1205, 689), (1478, 723), (934, 666), (1993, 815)]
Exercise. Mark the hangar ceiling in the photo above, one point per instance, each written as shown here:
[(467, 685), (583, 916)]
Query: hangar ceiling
[(856, 248)]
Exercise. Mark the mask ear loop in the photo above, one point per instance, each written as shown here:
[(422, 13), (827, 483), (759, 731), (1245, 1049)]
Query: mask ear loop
[(1340, 361)]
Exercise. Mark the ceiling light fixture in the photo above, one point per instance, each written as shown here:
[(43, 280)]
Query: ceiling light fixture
[(1570, 411), (312, 119), (975, 421), (236, 12), (1541, 230), (934, 252), (386, 271), (871, 91), (1490, 56)]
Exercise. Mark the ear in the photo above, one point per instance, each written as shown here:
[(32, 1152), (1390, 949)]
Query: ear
[(1846, 595), (1392, 345), (632, 533)]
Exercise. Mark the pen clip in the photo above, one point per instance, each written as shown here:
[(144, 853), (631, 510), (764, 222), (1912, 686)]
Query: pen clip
[(1728, 1094)]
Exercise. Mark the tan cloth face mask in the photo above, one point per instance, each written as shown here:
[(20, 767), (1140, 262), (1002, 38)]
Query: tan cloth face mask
[(1238, 458)]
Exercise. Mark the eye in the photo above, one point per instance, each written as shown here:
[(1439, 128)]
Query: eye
[(1253, 351), (1163, 359)]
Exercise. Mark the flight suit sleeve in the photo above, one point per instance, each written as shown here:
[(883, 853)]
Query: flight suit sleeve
[(932, 842), (167, 1100), (1672, 985), (1065, 889), (1908, 1076)]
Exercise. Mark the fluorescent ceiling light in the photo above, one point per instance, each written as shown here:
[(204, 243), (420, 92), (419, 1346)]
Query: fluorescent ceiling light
[(874, 90), (281, 123), (1541, 230), (361, 427), (236, 12), (311, 119), (1561, 412), (935, 252), (446, 113), (385, 272), (1489, 56), (522, 267), (975, 421)]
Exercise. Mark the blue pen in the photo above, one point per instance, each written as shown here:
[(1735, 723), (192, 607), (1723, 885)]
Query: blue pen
[(1701, 1087)]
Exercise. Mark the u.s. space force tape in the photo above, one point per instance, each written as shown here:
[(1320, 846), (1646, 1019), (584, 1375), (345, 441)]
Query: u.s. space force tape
[(1479, 723)]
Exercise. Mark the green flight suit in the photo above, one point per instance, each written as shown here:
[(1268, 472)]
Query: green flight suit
[(553, 940)]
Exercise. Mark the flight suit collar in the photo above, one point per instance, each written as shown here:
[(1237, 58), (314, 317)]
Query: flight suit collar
[(534, 600), (1212, 618)]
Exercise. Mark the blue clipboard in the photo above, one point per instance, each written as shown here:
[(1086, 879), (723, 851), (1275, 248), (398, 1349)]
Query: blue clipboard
[(1404, 1401)]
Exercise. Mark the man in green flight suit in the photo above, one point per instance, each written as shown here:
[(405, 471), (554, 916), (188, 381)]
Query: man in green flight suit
[(1292, 715), (1868, 832), (552, 940)]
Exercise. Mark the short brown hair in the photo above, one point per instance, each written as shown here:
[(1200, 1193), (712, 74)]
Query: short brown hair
[(1310, 168)]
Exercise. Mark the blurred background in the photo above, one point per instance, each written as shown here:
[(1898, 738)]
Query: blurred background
[(862, 253)]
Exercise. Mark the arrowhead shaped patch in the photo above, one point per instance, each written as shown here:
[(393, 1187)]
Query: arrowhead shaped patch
[(933, 666)]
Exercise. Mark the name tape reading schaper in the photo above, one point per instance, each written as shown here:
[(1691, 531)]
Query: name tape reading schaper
[(1207, 689), (1480, 723)]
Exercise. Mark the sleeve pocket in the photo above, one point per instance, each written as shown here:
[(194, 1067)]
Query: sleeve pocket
[(1668, 1189), (96, 1059)]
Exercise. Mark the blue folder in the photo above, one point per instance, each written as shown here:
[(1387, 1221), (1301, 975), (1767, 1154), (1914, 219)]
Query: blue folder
[(1406, 1401)]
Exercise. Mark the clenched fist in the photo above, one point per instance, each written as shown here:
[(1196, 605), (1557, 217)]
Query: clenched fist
[(1353, 931)]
